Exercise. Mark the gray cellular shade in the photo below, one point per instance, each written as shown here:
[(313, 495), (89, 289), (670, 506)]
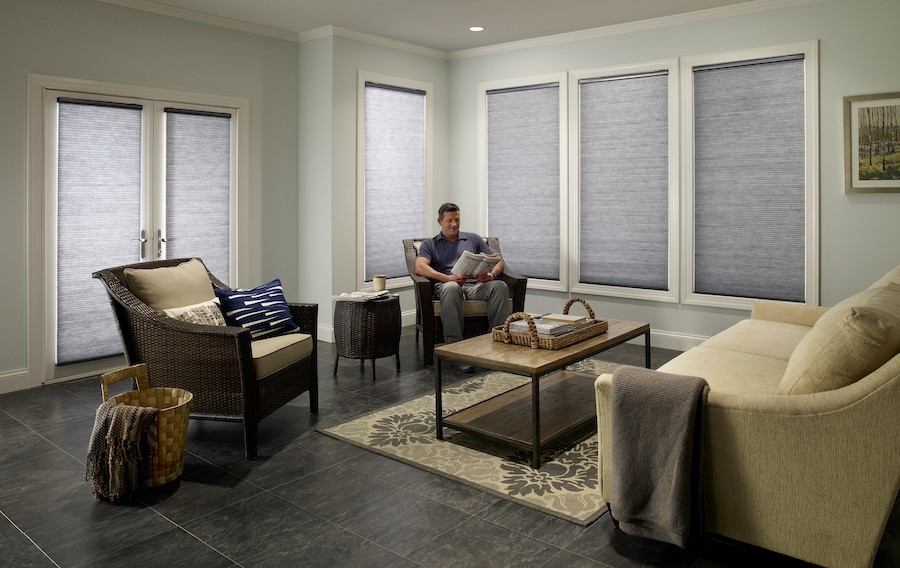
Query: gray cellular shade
[(395, 176), (749, 180), (198, 188), (523, 139), (98, 221), (624, 181)]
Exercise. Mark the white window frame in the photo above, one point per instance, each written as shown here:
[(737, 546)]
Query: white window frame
[(811, 65), (427, 215), (562, 284), (672, 294), (42, 91)]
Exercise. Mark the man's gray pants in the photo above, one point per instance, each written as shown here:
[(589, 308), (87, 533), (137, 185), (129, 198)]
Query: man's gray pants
[(451, 295)]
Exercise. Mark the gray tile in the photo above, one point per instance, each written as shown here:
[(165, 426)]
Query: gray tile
[(452, 493), (602, 542), (533, 523), (477, 542), (17, 550), (281, 465), (386, 469), (325, 546), (174, 548), (334, 492), (262, 525), (402, 520), (45, 405), (198, 494)]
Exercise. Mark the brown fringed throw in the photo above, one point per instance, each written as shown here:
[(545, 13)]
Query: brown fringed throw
[(120, 452), (656, 419)]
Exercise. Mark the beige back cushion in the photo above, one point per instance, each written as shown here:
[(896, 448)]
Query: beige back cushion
[(891, 276), (171, 286), (851, 340)]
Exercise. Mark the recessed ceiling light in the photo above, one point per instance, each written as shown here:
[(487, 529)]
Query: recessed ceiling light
[(476, 29)]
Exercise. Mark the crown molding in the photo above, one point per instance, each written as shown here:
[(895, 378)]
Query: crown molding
[(335, 31), (631, 27), (222, 22)]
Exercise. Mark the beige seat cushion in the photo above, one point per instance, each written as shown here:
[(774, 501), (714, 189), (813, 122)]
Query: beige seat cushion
[(729, 371), (171, 286), (470, 308), (851, 340), (760, 337), (273, 354)]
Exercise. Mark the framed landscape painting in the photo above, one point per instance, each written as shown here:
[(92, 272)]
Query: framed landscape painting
[(872, 143)]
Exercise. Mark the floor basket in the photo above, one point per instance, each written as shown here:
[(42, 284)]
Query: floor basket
[(174, 408)]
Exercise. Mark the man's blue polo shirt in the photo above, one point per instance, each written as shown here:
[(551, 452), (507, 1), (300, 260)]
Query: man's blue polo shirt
[(442, 254)]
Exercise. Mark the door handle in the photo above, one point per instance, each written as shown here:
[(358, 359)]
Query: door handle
[(160, 240), (141, 240)]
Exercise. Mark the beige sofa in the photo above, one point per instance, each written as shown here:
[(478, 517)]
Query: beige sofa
[(801, 429)]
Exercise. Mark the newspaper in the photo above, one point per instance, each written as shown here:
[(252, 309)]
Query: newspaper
[(360, 296), (471, 264)]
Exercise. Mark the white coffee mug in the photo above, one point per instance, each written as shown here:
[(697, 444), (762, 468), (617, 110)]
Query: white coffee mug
[(378, 281)]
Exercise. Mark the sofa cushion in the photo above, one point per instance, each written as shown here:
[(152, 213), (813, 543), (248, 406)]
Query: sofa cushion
[(760, 337), (851, 340), (727, 371), (171, 286), (892, 276), (207, 313), (273, 354), (263, 310)]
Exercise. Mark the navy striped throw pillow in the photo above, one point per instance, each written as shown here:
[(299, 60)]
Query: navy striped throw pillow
[(262, 310)]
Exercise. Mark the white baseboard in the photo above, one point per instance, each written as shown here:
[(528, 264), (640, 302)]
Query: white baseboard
[(12, 381), (663, 339)]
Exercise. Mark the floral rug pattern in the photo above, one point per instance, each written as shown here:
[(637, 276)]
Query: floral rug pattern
[(565, 485)]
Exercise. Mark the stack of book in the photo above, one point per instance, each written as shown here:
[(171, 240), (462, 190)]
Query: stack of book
[(552, 324)]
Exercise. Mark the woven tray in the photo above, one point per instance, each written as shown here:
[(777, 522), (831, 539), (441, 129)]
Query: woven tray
[(174, 408), (552, 342)]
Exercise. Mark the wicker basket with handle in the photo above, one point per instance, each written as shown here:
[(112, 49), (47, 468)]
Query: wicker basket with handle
[(537, 341), (174, 408)]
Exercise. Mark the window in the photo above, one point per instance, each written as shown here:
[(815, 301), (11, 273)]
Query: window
[(525, 175), (627, 182), (396, 176), (752, 184), (129, 175)]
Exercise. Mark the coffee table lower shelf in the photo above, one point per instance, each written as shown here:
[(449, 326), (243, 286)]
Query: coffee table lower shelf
[(566, 406)]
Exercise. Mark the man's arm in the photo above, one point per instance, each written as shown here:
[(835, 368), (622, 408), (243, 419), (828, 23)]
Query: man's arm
[(423, 268)]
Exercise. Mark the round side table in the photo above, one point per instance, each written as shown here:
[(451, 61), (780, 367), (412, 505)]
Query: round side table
[(367, 330)]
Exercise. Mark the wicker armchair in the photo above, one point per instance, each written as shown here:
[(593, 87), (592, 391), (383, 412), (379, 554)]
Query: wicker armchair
[(429, 323), (214, 363)]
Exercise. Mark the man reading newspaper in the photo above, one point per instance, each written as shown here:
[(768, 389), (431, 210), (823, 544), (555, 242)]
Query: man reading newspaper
[(436, 259)]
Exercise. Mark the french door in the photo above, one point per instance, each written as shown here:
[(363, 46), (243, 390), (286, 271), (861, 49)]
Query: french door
[(128, 179)]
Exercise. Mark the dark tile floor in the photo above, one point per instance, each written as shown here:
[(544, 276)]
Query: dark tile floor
[(308, 500)]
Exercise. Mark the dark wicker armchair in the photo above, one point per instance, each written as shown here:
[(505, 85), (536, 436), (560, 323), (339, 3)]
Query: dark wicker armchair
[(429, 323), (214, 363)]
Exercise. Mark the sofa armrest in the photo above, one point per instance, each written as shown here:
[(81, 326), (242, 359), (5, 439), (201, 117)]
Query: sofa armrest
[(787, 312), (777, 467)]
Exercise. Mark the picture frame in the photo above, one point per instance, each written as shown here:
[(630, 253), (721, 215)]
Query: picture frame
[(872, 143)]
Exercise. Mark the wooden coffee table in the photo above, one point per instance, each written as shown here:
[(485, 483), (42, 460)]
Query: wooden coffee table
[(567, 396)]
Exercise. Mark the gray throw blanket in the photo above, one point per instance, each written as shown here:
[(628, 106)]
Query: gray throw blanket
[(120, 451), (655, 491)]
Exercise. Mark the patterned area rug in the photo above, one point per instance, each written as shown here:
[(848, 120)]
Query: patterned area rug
[(565, 485)]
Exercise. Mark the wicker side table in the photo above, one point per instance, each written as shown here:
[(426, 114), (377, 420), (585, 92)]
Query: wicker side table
[(367, 330)]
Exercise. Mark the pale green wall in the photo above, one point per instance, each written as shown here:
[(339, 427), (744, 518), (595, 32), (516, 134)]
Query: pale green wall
[(89, 40), (330, 265), (859, 43)]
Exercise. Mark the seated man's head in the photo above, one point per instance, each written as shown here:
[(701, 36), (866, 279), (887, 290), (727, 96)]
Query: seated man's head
[(448, 219)]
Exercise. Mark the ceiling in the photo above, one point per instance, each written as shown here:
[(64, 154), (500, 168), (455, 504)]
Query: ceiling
[(438, 24)]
